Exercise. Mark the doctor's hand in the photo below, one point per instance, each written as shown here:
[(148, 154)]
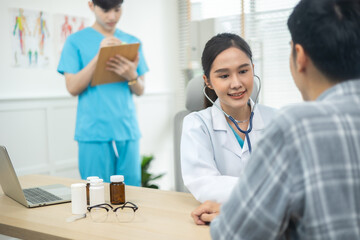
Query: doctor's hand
[(206, 212), (123, 67)]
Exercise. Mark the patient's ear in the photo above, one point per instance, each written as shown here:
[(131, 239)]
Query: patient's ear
[(207, 82), (301, 58)]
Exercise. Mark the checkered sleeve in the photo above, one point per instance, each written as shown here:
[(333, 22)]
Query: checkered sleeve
[(257, 208)]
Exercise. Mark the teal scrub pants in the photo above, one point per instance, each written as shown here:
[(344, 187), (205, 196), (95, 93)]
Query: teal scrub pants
[(104, 159)]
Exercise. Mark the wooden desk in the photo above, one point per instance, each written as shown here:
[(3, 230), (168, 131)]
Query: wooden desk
[(161, 215)]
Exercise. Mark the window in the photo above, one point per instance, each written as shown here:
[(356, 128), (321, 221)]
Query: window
[(262, 23)]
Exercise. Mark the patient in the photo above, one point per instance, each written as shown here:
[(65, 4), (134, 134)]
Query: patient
[(303, 179), (216, 142)]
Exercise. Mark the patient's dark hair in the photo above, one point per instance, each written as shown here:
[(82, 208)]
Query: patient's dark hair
[(213, 48), (329, 32), (107, 4)]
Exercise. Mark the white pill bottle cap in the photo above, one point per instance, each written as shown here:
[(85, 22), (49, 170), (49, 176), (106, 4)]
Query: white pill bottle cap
[(116, 178)]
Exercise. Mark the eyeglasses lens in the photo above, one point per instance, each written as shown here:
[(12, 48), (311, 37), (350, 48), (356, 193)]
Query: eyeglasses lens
[(98, 214), (125, 214)]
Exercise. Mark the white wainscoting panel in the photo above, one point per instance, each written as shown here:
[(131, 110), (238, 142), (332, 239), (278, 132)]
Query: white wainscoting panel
[(156, 113), (38, 134)]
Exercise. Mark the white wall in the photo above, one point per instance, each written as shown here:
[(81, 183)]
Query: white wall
[(37, 115)]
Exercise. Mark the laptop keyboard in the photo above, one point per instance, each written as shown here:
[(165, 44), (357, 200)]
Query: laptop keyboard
[(37, 195)]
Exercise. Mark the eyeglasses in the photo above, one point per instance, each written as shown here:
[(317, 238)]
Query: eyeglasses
[(124, 213)]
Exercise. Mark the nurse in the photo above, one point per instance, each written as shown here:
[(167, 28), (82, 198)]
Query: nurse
[(107, 129), (213, 150)]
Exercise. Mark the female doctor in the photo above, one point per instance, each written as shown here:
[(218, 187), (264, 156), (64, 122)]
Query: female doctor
[(216, 142)]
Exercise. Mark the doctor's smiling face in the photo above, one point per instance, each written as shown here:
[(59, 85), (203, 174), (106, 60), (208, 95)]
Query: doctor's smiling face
[(232, 78), (229, 73)]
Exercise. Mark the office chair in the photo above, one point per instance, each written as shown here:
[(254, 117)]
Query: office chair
[(194, 102)]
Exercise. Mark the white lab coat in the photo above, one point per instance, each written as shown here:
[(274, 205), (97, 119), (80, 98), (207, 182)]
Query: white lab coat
[(211, 157)]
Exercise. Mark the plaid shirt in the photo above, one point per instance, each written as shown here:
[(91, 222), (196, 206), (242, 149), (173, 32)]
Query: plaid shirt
[(303, 180)]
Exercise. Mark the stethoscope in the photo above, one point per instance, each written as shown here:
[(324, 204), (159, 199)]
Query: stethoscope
[(236, 121)]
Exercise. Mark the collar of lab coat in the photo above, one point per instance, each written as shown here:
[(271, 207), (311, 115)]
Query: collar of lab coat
[(225, 134)]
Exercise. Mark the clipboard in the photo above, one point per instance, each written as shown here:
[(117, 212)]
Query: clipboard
[(103, 76)]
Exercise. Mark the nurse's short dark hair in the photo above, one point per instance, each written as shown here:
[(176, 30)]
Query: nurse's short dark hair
[(213, 48), (329, 32), (107, 4)]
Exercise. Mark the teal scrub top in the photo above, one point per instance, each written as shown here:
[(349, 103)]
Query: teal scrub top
[(105, 112)]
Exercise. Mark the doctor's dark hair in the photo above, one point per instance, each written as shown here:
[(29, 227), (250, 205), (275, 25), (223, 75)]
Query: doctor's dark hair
[(106, 5), (329, 32), (213, 48)]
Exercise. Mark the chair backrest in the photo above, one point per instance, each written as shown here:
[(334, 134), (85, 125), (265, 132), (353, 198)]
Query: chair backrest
[(178, 121), (194, 94), (254, 93), (194, 102)]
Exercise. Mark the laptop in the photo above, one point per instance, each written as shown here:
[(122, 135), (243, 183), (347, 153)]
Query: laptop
[(30, 197)]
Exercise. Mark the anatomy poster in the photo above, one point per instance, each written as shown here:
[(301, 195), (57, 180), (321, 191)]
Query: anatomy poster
[(30, 38), (64, 26)]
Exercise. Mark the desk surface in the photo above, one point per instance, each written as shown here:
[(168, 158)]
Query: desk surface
[(161, 215)]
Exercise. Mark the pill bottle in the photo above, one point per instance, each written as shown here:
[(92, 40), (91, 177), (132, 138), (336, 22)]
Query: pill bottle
[(78, 198), (117, 189), (88, 179), (97, 194)]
